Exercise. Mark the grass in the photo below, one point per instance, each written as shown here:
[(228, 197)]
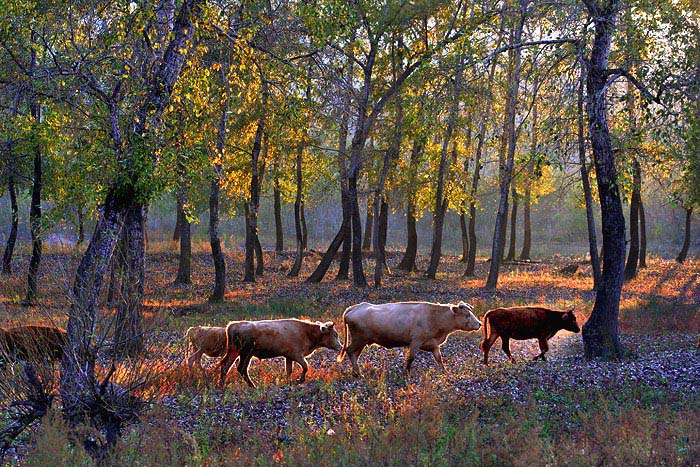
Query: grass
[(473, 415)]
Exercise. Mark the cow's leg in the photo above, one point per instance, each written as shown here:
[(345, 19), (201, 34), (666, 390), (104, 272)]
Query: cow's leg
[(354, 350), (505, 345), (226, 364), (437, 355), (544, 347), (243, 368), (486, 345), (195, 357), (289, 364), (304, 368), (412, 352)]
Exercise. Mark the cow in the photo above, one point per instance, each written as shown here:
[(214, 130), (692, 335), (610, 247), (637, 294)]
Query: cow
[(416, 325), (32, 342), (205, 340), (525, 322), (293, 339)]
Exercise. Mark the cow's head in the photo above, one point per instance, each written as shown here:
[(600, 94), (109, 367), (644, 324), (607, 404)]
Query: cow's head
[(569, 320), (329, 336), (466, 321)]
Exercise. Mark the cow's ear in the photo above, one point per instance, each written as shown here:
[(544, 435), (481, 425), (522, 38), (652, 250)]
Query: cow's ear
[(454, 308)]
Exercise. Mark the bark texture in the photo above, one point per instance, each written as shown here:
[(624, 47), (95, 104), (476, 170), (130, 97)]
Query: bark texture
[(600, 332)]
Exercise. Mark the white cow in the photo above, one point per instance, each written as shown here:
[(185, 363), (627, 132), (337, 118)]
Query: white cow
[(416, 325)]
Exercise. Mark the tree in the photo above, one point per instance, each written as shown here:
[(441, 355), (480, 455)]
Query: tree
[(510, 131), (600, 332)]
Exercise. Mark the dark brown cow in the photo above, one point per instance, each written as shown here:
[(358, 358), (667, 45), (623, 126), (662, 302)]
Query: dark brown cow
[(32, 342), (293, 339), (525, 322)]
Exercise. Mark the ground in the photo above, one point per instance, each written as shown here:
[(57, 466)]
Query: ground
[(642, 409)]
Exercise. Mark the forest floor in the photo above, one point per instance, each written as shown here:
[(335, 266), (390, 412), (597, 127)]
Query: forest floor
[(642, 409)]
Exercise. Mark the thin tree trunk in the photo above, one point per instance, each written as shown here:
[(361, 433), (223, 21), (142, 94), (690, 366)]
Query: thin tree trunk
[(440, 199), (12, 238), (369, 224), (304, 230), (513, 226), (587, 193), (35, 217), (294, 272), (509, 129), (478, 156), (527, 198), (251, 215), (217, 294), (184, 265), (81, 226), (259, 264), (600, 332), (527, 225), (633, 257), (279, 232), (642, 236), (179, 216), (686, 237), (408, 262), (128, 328)]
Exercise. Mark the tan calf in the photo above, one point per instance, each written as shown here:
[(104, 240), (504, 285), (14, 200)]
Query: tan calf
[(416, 325), (205, 340)]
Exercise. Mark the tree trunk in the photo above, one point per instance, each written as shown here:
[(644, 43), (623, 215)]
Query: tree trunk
[(633, 257), (184, 265), (217, 294), (465, 235), (587, 194), (294, 272), (478, 155), (344, 235), (527, 225), (440, 199), (178, 218), (513, 226), (686, 237), (408, 262), (304, 230), (530, 174), (78, 366), (259, 264), (35, 218), (509, 129), (369, 224), (12, 238), (279, 232), (81, 226), (642, 236), (128, 329), (600, 332), (251, 213)]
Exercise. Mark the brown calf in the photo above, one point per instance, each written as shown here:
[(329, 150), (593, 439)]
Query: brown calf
[(32, 342), (525, 322), (293, 339)]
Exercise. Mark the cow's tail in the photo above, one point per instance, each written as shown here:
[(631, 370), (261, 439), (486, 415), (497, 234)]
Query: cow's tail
[(188, 343), (485, 329), (343, 351)]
